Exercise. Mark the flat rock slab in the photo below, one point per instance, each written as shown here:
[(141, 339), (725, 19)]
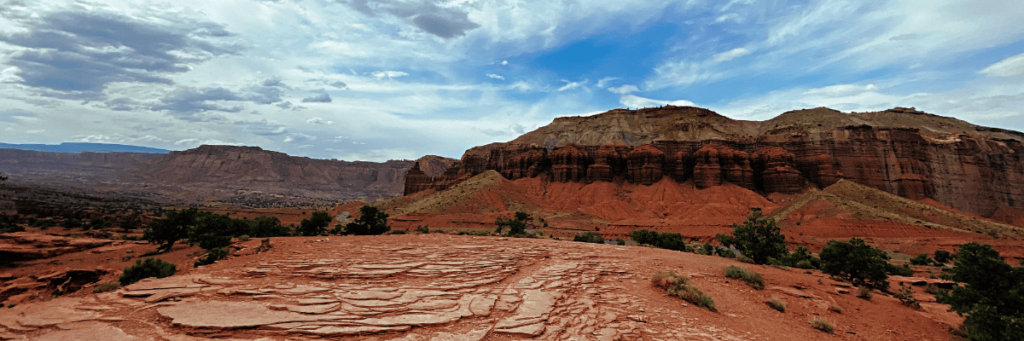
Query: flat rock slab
[(220, 314), (87, 331)]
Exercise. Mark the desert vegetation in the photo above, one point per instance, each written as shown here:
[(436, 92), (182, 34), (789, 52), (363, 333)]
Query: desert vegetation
[(992, 297), (150, 267), (776, 304), (753, 279), (856, 262), (589, 237), (822, 325), (371, 222), (682, 287)]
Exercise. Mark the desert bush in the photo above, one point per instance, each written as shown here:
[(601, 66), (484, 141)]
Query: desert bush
[(244, 238), (707, 249), (98, 223), (71, 223), (933, 289), (758, 238), (802, 258), (214, 255), (753, 279), (725, 252), (776, 304), (150, 267), (921, 259), (857, 262), (515, 226), (106, 287), (176, 226), (670, 241), (822, 325), (906, 295), (264, 227), (836, 308), (864, 292), (397, 232), (992, 296), (423, 229), (744, 259), (899, 270), (682, 287), (316, 224), (620, 241), (942, 257), (589, 237), (9, 224), (371, 222)]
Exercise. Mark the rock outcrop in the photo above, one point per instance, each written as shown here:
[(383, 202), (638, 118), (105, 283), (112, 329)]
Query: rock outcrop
[(900, 151)]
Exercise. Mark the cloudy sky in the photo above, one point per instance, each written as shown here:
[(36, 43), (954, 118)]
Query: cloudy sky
[(379, 79)]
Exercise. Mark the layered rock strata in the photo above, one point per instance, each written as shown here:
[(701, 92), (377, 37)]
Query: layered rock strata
[(901, 151)]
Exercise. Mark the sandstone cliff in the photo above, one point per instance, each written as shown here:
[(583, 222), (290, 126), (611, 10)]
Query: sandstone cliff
[(901, 151)]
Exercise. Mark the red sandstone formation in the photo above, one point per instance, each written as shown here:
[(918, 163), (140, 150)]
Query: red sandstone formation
[(901, 151)]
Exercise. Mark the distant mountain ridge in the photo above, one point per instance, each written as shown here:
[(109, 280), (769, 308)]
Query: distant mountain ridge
[(81, 147)]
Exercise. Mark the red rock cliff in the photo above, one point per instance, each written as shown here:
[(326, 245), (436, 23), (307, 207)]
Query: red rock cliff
[(901, 151)]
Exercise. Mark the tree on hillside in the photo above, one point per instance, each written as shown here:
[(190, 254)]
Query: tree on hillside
[(758, 238), (174, 227), (315, 225), (857, 262), (515, 226), (263, 227), (993, 294), (371, 222)]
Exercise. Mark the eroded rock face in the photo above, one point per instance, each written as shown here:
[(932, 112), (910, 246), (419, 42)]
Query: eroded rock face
[(901, 151)]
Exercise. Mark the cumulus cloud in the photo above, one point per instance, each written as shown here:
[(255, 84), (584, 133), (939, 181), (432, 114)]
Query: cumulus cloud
[(318, 120), (631, 101), (625, 89), (491, 75), (321, 97), (1009, 67), (446, 22), (76, 54)]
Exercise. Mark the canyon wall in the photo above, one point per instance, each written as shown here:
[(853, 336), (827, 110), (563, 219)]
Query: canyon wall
[(901, 151)]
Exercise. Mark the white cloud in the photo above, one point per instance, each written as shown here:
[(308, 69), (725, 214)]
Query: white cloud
[(731, 54), (389, 74), (625, 89), (631, 101), (571, 85), (319, 120), (495, 76), (604, 81), (1012, 66), (35, 131)]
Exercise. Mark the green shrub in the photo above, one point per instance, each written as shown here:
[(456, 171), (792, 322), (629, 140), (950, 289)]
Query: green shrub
[(515, 226), (106, 287), (992, 296), (682, 287), (150, 267), (423, 229), (857, 262), (316, 224), (98, 223), (776, 304), (71, 223), (836, 308), (243, 238), (371, 222), (906, 295), (802, 258), (176, 226), (620, 241), (214, 255), (589, 237), (265, 227), (707, 249), (758, 238), (822, 325), (744, 259), (670, 241), (942, 257), (753, 279), (921, 259), (725, 252)]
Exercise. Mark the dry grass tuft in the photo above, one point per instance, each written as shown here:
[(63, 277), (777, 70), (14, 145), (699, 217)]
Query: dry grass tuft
[(752, 278), (682, 287), (822, 325), (776, 304)]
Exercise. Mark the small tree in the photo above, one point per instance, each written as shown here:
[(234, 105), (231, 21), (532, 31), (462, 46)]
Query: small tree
[(758, 238), (175, 227), (371, 222), (151, 267), (942, 257), (921, 259), (263, 227), (856, 262), (515, 226), (992, 297), (315, 225), (589, 237)]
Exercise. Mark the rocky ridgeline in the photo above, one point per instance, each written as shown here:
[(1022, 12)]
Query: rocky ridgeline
[(901, 151)]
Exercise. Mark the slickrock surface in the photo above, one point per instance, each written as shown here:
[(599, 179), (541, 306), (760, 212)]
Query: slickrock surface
[(442, 287)]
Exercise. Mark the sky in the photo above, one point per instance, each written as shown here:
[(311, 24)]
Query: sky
[(377, 80)]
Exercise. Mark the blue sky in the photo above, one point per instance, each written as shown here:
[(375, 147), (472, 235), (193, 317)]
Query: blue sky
[(377, 80)]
